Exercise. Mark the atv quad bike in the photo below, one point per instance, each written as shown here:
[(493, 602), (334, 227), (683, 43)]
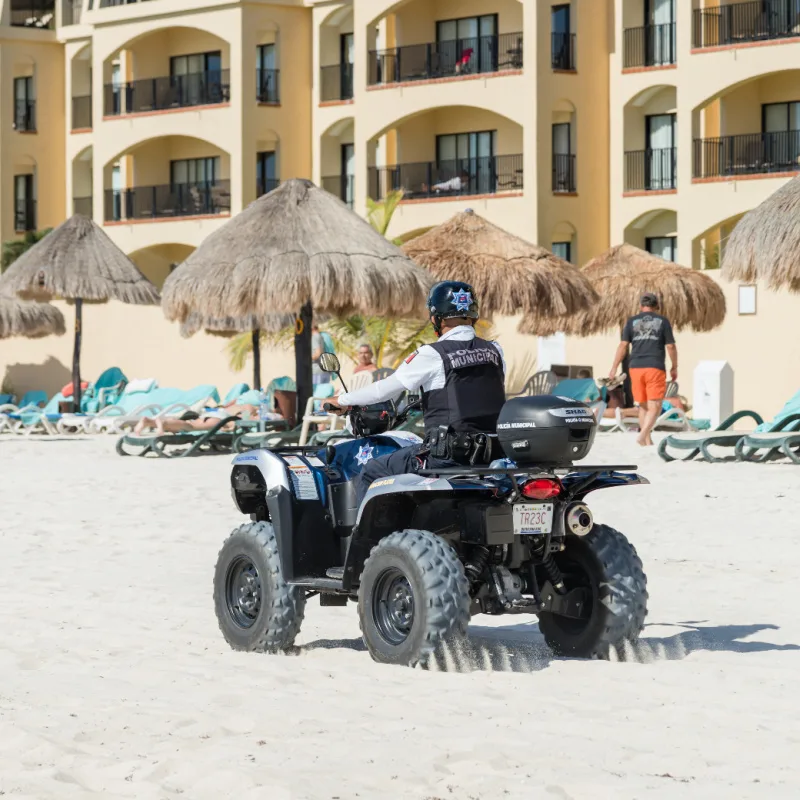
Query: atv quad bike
[(426, 551)]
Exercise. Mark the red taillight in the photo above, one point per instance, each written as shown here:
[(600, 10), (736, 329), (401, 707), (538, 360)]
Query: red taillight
[(542, 489)]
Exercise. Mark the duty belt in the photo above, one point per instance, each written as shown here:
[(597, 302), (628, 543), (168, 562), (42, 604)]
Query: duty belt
[(463, 448)]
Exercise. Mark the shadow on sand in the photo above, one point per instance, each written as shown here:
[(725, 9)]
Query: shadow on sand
[(521, 648)]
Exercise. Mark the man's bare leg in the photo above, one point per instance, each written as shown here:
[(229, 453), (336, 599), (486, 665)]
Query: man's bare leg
[(650, 417)]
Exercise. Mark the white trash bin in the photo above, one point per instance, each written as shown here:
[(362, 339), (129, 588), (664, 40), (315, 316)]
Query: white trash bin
[(713, 391)]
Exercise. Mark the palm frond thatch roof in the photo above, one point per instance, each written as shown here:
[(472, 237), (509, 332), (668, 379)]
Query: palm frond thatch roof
[(509, 275), (765, 245), (295, 244), (78, 260), (29, 319), (688, 298), (230, 326)]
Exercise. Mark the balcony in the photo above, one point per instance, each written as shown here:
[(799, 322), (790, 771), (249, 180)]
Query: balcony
[(748, 154), (448, 59), (649, 46), (33, 14), (167, 93), (25, 116), (564, 174), (653, 170), (112, 3), (738, 23), (24, 215), (443, 179), (340, 186), (268, 86), (82, 113), (167, 202), (71, 12), (82, 205), (266, 186), (336, 83), (562, 51)]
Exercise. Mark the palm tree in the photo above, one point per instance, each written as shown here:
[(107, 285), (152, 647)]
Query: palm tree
[(13, 249)]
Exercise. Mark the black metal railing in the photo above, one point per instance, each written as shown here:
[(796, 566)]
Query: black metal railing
[(452, 178), (563, 173), (747, 154), (82, 205), (24, 115), (341, 186), (173, 91), (651, 170), (755, 21), (33, 14), (417, 62), (24, 214), (81, 113), (650, 46), (336, 83), (169, 200), (112, 3), (71, 12), (266, 186), (268, 85), (562, 51)]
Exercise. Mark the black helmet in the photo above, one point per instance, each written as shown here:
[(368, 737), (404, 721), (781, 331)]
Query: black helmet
[(452, 299)]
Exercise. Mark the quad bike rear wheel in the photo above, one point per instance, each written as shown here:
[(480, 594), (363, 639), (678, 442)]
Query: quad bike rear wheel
[(604, 564), (413, 599), (256, 609)]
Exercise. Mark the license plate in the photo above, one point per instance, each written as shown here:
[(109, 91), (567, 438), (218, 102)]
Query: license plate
[(533, 518)]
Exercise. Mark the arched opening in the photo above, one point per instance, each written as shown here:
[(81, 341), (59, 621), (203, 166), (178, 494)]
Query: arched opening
[(564, 134), (650, 140), (338, 160), (564, 242), (267, 162), (656, 232), (428, 39), (336, 55), (749, 129), (167, 177), (158, 261), (82, 175), (167, 69), (708, 249), (447, 152), (25, 193), (81, 79)]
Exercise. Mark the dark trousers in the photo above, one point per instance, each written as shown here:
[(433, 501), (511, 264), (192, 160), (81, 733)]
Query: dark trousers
[(402, 462)]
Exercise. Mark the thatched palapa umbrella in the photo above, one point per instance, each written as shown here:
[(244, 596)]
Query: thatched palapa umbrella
[(29, 319), (688, 298), (765, 245), (295, 250), (77, 261), (510, 275)]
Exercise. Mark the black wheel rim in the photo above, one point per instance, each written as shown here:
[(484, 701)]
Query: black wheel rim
[(393, 606), (243, 592)]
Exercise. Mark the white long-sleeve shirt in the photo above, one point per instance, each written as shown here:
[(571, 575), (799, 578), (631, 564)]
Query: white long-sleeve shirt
[(423, 369)]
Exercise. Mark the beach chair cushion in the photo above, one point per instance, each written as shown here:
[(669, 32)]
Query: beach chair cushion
[(252, 397), (792, 407), (235, 393), (584, 390)]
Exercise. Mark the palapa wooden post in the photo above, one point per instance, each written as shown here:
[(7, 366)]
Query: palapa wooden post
[(256, 359), (302, 358), (76, 356)]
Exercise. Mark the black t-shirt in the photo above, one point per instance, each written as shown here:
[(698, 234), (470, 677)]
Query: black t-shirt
[(648, 334)]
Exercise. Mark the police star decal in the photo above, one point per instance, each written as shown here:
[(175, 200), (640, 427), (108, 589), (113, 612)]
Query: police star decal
[(364, 454), (462, 299)]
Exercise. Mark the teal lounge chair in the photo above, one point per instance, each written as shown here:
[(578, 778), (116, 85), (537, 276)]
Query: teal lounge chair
[(180, 445), (105, 391), (32, 419), (236, 392), (778, 439)]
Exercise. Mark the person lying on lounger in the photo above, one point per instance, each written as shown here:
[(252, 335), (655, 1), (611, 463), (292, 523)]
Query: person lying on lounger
[(190, 422)]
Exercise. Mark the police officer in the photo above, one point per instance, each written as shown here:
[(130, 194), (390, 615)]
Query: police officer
[(462, 380)]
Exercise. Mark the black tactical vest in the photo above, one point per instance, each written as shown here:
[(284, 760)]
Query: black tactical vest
[(474, 388)]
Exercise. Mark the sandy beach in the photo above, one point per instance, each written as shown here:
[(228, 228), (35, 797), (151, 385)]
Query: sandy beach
[(115, 681)]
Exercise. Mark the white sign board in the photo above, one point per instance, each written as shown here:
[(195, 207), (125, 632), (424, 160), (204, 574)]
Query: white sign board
[(713, 391), (551, 350)]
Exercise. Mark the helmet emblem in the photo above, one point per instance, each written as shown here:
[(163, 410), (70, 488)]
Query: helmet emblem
[(462, 299)]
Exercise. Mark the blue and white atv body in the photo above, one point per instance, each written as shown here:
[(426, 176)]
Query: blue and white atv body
[(424, 551)]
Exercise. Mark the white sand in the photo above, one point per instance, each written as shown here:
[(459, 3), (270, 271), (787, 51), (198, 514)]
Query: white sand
[(115, 681)]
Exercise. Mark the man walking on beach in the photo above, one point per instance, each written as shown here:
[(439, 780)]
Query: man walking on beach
[(649, 336)]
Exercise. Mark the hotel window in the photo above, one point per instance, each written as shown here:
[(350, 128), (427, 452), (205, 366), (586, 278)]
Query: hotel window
[(195, 170), (665, 247), (562, 250)]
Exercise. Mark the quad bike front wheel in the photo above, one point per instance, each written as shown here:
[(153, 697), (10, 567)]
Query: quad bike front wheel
[(605, 565), (256, 609), (413, 598)]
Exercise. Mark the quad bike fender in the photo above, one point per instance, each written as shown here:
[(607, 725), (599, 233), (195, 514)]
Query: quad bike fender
[(271, 467), (579, 484)]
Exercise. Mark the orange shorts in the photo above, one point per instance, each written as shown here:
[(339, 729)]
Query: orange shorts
[(648, 383)]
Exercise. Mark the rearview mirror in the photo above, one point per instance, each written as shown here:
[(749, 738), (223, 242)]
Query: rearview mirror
[(328, 362)]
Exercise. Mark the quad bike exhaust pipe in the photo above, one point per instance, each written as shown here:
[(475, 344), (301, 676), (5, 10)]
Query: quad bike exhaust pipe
[(578, 519)]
